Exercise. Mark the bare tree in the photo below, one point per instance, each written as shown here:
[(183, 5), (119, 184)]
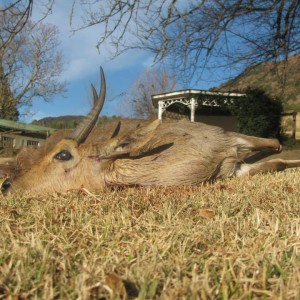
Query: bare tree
[(30, 66), (195, 35), (150, 82), (8, 109), (17, 14), (232, 32)]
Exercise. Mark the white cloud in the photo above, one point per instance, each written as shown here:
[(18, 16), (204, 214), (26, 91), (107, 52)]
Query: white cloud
[(79, 48), (82, 65)]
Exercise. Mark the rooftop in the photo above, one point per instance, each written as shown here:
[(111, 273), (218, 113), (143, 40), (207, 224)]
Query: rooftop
[(12, 125)]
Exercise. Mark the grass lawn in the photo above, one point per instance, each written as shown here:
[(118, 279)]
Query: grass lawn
[(235, 239)]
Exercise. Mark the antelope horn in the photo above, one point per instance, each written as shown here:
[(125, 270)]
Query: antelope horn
[(84, 128)]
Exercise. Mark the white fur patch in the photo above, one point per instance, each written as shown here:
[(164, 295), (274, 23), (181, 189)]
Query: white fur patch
[(243, 170)]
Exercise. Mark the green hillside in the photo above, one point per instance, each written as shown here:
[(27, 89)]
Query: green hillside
[(267, 76), (61, 122), (67, 121)]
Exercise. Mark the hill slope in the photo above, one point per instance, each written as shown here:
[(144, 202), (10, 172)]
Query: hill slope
[(67, 121), (265, 75), (59, 122)]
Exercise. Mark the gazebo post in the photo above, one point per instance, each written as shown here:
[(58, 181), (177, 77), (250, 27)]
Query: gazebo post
[(193, 105), (160, 109)]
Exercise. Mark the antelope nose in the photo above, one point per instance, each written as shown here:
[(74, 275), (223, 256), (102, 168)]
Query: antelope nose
[(5, 186)]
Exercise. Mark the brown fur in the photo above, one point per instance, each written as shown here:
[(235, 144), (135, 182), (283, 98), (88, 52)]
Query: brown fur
[(136, 152), (141, 153)]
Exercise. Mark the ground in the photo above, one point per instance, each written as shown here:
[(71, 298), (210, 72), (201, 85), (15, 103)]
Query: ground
[(234, 239)]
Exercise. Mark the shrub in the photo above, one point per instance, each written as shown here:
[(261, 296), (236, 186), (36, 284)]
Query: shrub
[(258, 114)]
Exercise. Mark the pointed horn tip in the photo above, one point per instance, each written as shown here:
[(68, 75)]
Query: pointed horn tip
[(101, 71), (84, 128), (94, 90), (102, 76), (103, 85)]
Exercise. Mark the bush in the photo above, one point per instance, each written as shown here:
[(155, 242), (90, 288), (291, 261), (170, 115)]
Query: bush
[(258, 114)]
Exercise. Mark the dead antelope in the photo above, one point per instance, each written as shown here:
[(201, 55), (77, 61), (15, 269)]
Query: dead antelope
[(138, 153)]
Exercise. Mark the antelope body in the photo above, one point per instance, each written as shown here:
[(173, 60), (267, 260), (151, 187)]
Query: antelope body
[(138, 152)]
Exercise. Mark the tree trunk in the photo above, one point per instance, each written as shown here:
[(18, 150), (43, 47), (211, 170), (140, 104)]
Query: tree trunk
[(8, 107)]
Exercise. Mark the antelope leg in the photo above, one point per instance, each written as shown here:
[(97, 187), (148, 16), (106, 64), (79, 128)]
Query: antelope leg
[(252, 143), (267, 166)]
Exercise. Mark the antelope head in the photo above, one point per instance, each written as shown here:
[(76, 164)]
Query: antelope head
[(68, 162), (63, 166)]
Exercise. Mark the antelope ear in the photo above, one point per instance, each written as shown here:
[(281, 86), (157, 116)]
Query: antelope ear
[(131, 143), (117, 130)]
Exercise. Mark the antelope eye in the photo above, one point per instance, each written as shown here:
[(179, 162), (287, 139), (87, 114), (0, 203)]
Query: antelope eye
[(63, 155)]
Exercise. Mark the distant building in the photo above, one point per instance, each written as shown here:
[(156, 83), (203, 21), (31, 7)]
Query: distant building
[(210, 106), (15, 135)]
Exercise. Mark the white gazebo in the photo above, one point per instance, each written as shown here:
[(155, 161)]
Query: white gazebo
[(192, 98)]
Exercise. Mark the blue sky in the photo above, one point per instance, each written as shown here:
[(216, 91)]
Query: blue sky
[(82, 68)]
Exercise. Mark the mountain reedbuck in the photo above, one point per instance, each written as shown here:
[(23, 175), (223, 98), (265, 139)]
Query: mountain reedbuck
[(138, 153)]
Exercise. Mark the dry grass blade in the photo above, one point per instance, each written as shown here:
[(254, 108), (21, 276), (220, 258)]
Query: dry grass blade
[(235, 239)]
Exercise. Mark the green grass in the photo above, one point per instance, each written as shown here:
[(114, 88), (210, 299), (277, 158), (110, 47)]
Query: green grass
[(293, 106), (235, 239)]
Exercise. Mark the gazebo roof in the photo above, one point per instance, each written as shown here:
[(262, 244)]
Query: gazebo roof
[(206, 97)]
